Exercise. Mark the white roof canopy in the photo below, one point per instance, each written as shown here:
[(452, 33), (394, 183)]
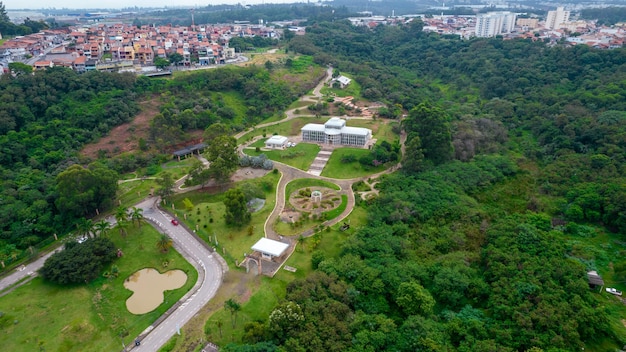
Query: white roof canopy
[(276, 140), (271, 247)]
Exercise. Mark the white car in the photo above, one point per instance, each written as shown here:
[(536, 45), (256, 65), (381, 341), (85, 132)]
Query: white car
[(613, 291)]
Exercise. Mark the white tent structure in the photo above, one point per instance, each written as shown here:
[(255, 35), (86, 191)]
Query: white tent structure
[(276, 142), (269, 248)]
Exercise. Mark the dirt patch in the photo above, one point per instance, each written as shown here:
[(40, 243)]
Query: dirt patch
[(246, 173), (289, 216), (261, 58), (125, 137)]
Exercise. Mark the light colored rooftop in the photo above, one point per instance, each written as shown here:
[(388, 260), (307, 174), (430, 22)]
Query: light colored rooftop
[(359, 131), (271, 247), (314, 127), (277, 139)]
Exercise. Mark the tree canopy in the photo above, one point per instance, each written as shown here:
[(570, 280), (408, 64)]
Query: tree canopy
[(79, 262)]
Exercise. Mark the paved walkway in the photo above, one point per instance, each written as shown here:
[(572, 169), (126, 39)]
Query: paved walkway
[(320, 161)]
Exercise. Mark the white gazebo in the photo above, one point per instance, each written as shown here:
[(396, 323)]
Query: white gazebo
[(276, 142), (269, 248)]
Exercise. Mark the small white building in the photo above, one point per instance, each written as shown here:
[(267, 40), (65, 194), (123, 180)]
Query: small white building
[(335, 131), (276, 142), (342, 80), (269, 248)]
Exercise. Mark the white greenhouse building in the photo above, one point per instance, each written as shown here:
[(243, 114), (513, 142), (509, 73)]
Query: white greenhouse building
[(335, 131), (276, 142)]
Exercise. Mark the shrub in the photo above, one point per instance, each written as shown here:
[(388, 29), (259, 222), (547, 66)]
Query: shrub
[(348, 158), (79, 262)]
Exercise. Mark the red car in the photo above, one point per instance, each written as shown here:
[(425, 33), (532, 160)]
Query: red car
[(174, 222)]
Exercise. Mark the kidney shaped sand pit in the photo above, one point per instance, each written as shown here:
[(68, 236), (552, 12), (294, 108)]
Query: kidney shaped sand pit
[(148, 286)]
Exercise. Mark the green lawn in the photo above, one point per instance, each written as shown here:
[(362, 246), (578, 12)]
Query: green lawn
[(268, 294), (208, 215), (271, 290), (130, 193), (40, 315), (301, 156), (336, 169), (177, 168), (381, 129)]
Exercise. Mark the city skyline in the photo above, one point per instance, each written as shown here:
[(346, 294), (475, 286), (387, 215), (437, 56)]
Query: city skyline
[(119, 4)]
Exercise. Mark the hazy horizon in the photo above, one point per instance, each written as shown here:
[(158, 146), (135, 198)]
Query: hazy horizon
[(119, 4)]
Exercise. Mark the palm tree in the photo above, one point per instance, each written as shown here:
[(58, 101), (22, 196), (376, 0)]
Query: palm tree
[(84, 228), (219, 324), (136, 215), (164, 243), (102, 228), (301, 242), (121, 226), (121, 213), (234, 307)]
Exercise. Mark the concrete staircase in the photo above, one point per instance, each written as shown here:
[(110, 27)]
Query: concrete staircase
[(320, 161)]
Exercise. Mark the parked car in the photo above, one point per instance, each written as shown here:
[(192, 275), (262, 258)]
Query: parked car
[(174, 222), (613, 291)]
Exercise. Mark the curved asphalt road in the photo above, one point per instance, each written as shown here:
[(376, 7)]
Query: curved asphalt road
[(210, 268)]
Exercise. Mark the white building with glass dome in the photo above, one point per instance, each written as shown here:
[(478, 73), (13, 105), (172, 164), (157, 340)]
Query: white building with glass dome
[(335, 131)]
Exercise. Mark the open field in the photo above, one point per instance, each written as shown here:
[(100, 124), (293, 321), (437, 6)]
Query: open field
[(287, 128), (301, 156), (337, 169), (381, 129), (91, 317), (265, 293), (208, 216)]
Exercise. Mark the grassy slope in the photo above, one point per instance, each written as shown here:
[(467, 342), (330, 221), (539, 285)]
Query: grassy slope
[(288, 128), (301, 156), (336, 169), (232, 241), (88, 318), (268, 292)]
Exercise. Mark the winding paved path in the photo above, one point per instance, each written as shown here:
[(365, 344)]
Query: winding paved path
[(210, 267)]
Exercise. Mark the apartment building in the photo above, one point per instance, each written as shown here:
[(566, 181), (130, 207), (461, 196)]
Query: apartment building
[(491, 24), (557, 19)]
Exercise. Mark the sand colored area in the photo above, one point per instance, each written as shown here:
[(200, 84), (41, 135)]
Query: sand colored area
[(148, 286)]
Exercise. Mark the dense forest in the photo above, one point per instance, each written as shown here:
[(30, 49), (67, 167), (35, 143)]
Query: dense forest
[(48, 116), (514, 158)]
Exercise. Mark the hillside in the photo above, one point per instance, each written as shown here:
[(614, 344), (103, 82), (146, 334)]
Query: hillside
[(512, 189)]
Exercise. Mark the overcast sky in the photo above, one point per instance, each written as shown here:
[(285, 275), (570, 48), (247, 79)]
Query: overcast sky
[(75, 4)]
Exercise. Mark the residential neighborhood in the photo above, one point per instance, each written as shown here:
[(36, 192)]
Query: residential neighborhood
[(125, 47)]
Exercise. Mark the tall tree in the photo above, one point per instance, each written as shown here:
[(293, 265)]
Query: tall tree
[(215, 130), (413, 160), (432, 125), (222, 153), (4, 17), (102, 228), (164, 243), (175, 58), (233, 307), (236, 209), (136, 215), (166, 185), (413, 298), (84, 228)]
